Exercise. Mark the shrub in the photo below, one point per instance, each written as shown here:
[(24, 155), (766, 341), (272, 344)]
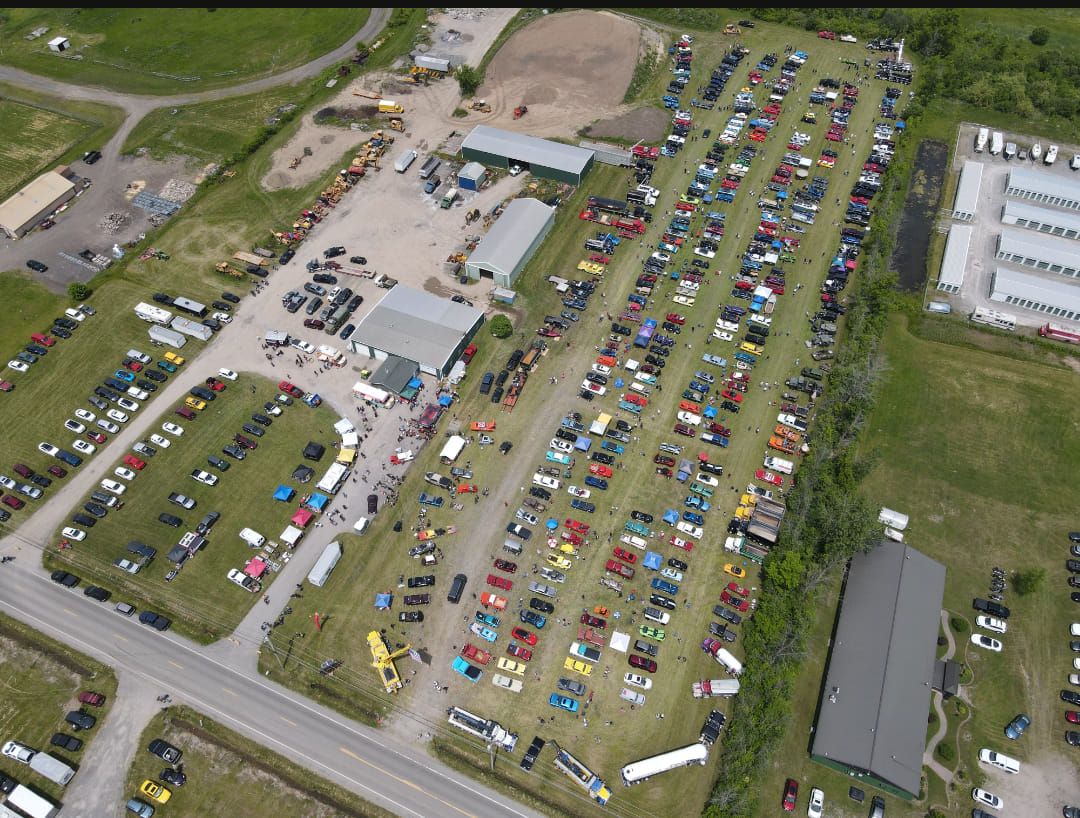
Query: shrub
[(936, 813), (78, 291), (469, 80), (932, 718), (460, 112), (501, 327), (1039, 36), (959, 624), (1029, 581), (945, 751)]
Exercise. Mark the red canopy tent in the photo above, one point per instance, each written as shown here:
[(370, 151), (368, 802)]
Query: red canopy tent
[(255, 567), (302, 517)]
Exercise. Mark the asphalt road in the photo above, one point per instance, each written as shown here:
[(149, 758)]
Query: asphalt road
[(108, 173)]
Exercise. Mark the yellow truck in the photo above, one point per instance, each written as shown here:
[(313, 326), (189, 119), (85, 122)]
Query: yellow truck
[(388, 106)]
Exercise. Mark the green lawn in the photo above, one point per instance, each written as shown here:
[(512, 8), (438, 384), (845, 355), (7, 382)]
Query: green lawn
[(201, 600), (176, 50), (26, 304), (31, 139), (40, 679), (228, 774)]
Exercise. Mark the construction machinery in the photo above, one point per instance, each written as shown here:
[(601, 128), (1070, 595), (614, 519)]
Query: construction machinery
[(520, 111), (388, 106), (731, 28), (383, 661), (397, 124), (225, 267), (481, 106)]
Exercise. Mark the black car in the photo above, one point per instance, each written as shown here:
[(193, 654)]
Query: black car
[(40, 480), (727, 615), (411, 616), (36, 266), (324, 278), (230, 297), (662, 601), (149, 386), (497, 395), (361, 260), (641, 516), (174, 777), (80, 720), (95, 509), (582, 505), (234, 452), (161, 748), (218, 463), (347, 331), (541, 605), (90, 157), (203, 393), (98, 593), (155, 375), (992, 608), (1070, 697), (600, 457), (540, 493), (421, 582), (333, 252), (1073, 566), (64, 578), (85, 520), (285, 258), (162, 298), (355, 302), (158, 623), (677, 564), (417, 599), (485, 383), (262, 420), (7, 784), (252, 429), (66, 742), (169, 519)]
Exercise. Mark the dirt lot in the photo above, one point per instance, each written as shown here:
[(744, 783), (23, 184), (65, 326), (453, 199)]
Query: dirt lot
[(648, 124)]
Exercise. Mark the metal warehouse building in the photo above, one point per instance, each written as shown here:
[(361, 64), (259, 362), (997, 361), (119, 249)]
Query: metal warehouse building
[(954, 262), (872, 718), (36, 200), (1042, 253), (1044, 188), (430, 331), (1054, 297), (967, 192), (541, 157), (503, 253), (1041, 219)]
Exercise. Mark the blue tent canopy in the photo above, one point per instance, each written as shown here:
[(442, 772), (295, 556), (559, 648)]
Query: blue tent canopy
[(317, 501), (671, 516), (415, 383), (652, 561), (583, 443), (284, 493), (446, 400), (618, 383), (382, 601), (709, 412), (552, 524)]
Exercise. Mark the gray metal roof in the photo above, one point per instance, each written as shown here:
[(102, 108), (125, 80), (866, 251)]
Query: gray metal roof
[(877, 689), (527, 148), (1049, 249), (472, 170), (394, 374), (506, 243), (956, 253), (1042, 288), (1046, 183), (1019, 209), (416, 325), (967, 191)]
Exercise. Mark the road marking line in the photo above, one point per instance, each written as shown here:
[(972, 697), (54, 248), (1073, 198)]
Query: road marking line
[(69, 611), (174, 664), (230, 692), (404, 781), (121, 638), (289, 721)]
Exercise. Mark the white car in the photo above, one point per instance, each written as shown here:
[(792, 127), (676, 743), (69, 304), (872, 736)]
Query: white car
[(561, 445), (687, 528), (113, 486), (987, 642), (302, 345), (138, 394), (130, 405), (117, 415), (664, 257), (83, 446), (75, 314), (672, 574), (637, 680), (545, 481), (685, 300), (816, 807), (158, 440), (127, 565), (706, 479), (204, 477), (18, 752), (992, 624), (47, 448), (7, 482), (227, 374), (1076, 664), (628, 695), (74, 534), (522, 514), (83, 414), (986, 797), (274, 410), (106, 426), (516, 169), (574, 491), (595, 388), (513, 685), (222, 317), (1074, 679), (601, 369), (1002, 762), (1074, 629), (18, 366), (124, 474), (689, 417), (172, 429)]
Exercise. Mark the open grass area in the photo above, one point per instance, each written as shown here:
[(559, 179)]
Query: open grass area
[(25, 304), (40, 679), (228, 774), (164, 51), (31, 138), (200, 600)]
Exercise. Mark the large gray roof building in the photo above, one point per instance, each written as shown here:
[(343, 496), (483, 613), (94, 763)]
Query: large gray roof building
[(417, 326), (1048, 253), (1045, 188), (541, 157), (966, 201), (507, 247), (1054, 296), (872, 718)]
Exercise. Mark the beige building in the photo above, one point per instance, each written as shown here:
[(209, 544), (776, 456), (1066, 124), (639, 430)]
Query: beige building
[(39, 198)]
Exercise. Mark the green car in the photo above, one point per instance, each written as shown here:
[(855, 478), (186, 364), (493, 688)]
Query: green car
[(703, 490), (166, 366), (652, 633)]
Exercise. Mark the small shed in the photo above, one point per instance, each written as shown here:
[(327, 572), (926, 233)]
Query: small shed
[(284, 493), (314, 451), (324, 565), (503, 295), (302, 473), (471, 176), (59, 44)]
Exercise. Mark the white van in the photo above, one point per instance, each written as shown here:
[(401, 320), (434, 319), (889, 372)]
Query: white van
[(1009, 765), (252, 537), (630, 539), (780, 465), (628, 695), (360, 526)]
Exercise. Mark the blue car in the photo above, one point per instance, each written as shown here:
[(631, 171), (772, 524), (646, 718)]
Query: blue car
[(700, 387), (563, 702), (612, 447), (124, 375), (487, 619), (470, 672), (1015, 728), (691, 517), (665, 586), (596, 482), (534, 619), (693, 501), (582, 505)]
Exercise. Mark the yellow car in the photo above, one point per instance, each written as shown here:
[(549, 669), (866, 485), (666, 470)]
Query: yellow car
[(753, 349), (510, 666), (577, 666), (734, 570), (173, 358), (151, 789), (559, 562), (194, 403), (568, 549)]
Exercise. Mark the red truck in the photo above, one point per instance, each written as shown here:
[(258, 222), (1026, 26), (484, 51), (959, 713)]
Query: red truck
[(471, 651)]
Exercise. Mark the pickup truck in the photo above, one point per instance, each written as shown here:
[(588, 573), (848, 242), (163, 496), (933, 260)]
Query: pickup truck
[(438, 480), (430, 499)]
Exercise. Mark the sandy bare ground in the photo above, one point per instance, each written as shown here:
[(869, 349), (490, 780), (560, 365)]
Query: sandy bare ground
[(649, 124)]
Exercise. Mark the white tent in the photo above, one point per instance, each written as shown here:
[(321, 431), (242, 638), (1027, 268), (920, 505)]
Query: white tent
[(344, 426), (350, 440), (291, 535), (620, 641), (452, 449)]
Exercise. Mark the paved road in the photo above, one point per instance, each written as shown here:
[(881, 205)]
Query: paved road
[(108, 173)]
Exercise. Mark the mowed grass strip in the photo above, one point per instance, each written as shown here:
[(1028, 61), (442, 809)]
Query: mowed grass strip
[(228, 774), (163, 51), (31, 138), (201, 601), (41, 679)]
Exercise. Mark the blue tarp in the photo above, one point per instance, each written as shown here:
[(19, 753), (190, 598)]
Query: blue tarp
[(709, 412), (652, 561), (415, 383), (284, 493), (317, 501), (583, 443), (446, 400), (552, 524), (382, 601), (671, 516), (618, 383)]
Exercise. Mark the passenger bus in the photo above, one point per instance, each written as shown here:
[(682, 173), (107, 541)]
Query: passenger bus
[(993, 318), (638, 771)]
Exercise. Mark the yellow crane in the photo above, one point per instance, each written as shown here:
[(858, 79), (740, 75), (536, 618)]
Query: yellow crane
[(383, 661)]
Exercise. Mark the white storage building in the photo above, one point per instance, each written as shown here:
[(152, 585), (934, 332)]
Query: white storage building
[(503, 253), (1052, 296), (1045, 188), (25, 208), (951, 278), (1041, 253), (967, 191), (1041, 219)]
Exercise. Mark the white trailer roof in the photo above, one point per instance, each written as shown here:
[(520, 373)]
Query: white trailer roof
[(1047, 289), (956, 253), (967, 191)]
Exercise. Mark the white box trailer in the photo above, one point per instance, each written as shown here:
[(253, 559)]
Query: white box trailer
[(401, 164), (324, 565), (893, 519), (164, 335), (195, 330), (30, 803), (152, 314), (981, 139), (997, 143)]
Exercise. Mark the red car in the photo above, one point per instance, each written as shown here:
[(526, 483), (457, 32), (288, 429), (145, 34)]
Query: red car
[(134, 462), (56, 471), (736, 603), (11, 501), (518, 652), (600, 470), (506, 565), (1072, 716), (769, 477), (791, 793), (683, 429), (735, 588), (91, 698), (633, 397), (663, 460), (679, 542), (730, 395), (572, 538), (499, 582), (525, 636), (215, 384), (593, 621), (134, 366), (6, 386), (642, 663), (96, 437), (290, 389), (478, 655), (616, 567), (675, 318), (576, 525), (624, 555)]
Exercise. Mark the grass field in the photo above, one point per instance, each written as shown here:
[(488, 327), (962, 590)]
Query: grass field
[(228, 774), (31, 138), (164, 51), (210, 131), (26, 302), (954, 436), (40, 679), (202, 602)]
